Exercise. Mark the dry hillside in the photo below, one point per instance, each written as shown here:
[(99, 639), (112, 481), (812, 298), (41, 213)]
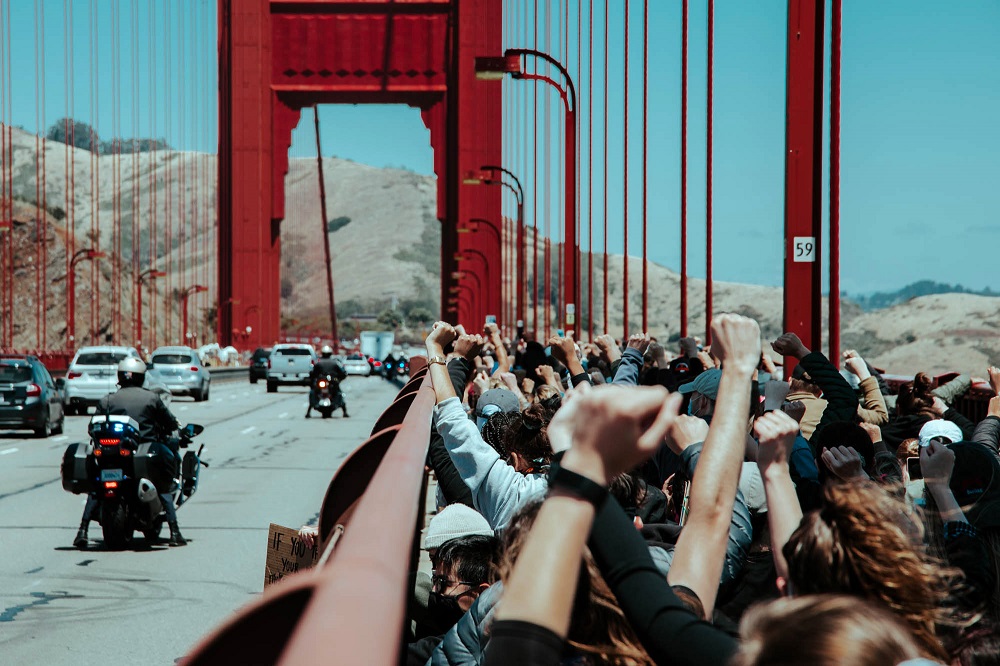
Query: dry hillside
[(385, 243)]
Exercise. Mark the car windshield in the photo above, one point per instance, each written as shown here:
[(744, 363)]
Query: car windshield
[(172, 359), (293, 352), (100, 358), (14, 374)]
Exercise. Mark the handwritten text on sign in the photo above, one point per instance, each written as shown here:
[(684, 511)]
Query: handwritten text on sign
[(286, 554)]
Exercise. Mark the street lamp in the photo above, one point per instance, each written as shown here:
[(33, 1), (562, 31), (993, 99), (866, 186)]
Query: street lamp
[(148, 274), (492, 69), (81, 255), (194, 289)]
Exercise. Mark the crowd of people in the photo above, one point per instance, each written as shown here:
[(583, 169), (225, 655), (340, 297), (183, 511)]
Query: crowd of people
[(624, 504)]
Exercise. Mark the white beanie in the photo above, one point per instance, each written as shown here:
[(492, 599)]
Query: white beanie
[(455, 520)]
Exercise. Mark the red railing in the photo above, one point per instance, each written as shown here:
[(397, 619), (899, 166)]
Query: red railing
[(352, 607)]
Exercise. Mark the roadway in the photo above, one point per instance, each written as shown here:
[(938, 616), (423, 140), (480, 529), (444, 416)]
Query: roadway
[(150, 605)]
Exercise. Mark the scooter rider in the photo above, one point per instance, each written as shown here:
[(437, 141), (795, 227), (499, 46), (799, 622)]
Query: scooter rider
[(156, 423), (327, 365)]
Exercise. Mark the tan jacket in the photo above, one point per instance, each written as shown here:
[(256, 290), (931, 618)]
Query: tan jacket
[(872, 408), (814, 411)]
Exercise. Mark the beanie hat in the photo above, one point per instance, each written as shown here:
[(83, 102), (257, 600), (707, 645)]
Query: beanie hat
[(455, 520)]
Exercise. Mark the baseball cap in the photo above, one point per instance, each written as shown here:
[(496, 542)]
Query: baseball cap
[(455, 520), (707, 383), (496, 400), (975, 482), (940, 428)]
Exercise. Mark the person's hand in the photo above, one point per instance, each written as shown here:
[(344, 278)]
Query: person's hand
[(767, 364), (706, 359), (994, 373), (939, 407), (441, 335), (307, 535), (857, 366), (736, 343), (776, 433), (509, 380), (528, 385), (789, 344), (874, 432), (638, 342), (609, 348), (562, 348), (612, 428), (481, 382), (994, 407), (659, 355), (469, 346), (844, 462), (490, 330), (936, 464), (546, 373), (460, 330), (796, 409), (685, 431), (849, 353)]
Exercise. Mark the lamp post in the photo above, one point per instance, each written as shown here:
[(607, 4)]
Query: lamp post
[(194, 289), (518, 191), (492, 68), (81, 255), (148, 274)]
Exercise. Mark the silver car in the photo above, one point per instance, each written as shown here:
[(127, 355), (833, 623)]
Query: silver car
[(356, 364), (180, 369)]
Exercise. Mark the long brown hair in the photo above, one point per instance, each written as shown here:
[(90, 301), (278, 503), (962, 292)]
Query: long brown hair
[(865, 542), (915, 398), (823, 630), (598, 628)]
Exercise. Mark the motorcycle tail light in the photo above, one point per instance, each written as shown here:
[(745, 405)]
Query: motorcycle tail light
[(34, 390), (110, 484), (125, 451), (323, 384), (97, 451), (108, 441)]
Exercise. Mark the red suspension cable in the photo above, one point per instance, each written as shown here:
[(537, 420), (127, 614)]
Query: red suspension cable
[(607, 319), (834, 298), (645, 162), (625, 183), (708, 179), (684, 162), (590, 172)]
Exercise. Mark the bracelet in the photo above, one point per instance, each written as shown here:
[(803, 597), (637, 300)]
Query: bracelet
[(437, 360), (579, 485)]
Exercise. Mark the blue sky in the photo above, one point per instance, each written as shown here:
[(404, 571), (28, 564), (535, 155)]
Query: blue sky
[(920, 142)]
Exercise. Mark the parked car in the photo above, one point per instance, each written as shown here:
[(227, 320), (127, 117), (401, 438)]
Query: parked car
[(290, 364), (92, 374), (29, 399), (260, 363), (356, 364), (180, 369)]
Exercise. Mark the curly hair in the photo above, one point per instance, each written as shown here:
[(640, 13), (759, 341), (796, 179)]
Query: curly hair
[(864, 542), (598, 628), (527, 434)]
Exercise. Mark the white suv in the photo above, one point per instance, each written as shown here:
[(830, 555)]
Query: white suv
[(92, 375)]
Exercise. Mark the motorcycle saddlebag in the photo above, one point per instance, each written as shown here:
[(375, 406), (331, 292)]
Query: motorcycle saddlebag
[(158, 463), (189, 473), (76, 475)]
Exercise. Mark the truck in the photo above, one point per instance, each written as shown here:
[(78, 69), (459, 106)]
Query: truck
[(290, 364), (376, 345)]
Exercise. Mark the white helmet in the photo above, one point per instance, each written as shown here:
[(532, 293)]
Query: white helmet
[(326, 351), (131, 372)]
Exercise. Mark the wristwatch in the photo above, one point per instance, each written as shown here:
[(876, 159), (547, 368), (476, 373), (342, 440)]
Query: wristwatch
[(579, 485), (437, 360)]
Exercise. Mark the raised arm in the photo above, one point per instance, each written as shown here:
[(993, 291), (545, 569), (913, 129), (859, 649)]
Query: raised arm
[(776, 433), (700, 552), (628, 372), (492, 333), (872, 409)]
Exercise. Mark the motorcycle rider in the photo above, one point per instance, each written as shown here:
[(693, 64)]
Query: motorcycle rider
[(327, 365), (156, 423)]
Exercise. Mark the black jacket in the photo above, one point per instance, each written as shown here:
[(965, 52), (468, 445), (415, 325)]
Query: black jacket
[(154, 419), (328, 366)]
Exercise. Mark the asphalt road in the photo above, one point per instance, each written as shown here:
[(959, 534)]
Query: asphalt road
[(150, 605)]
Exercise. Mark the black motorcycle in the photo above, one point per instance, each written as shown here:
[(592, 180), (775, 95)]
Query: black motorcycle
[(127, 475), (325, 395)]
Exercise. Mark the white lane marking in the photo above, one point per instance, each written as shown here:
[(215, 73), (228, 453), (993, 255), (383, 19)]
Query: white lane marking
[(282, 415), (182, 409), (6, 451), (60, 438), (248, 430)]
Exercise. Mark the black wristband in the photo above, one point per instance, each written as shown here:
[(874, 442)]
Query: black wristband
[(577, 484)]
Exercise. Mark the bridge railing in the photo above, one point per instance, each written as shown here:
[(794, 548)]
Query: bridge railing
[(351, 608)]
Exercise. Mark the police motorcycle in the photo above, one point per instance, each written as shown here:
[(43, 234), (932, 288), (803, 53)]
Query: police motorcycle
[(325, 395), (126, 476)]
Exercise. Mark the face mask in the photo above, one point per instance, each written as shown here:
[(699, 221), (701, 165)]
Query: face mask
[(444, 611)]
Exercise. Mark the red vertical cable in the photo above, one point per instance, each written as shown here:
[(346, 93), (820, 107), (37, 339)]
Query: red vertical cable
[(133, 227), (625, 194), (95, 180), (173, 275), (684, 165), (39, 220), (153, 181), (43, 240), (183, 224), (534, 139), (645, 162), (6, 270), (561, 175), (116, 195), (834, 298), (605, 155), (590, 172), (547, 156), (70, 152), (708, 179)]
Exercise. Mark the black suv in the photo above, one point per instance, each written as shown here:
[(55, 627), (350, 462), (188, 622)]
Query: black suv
[(29, 399), (260, 362)]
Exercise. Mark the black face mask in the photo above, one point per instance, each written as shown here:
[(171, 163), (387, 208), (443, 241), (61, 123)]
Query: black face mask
[(444, 611)]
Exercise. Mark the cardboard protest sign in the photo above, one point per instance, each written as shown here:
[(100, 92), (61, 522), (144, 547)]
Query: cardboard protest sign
[(286, 554)]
